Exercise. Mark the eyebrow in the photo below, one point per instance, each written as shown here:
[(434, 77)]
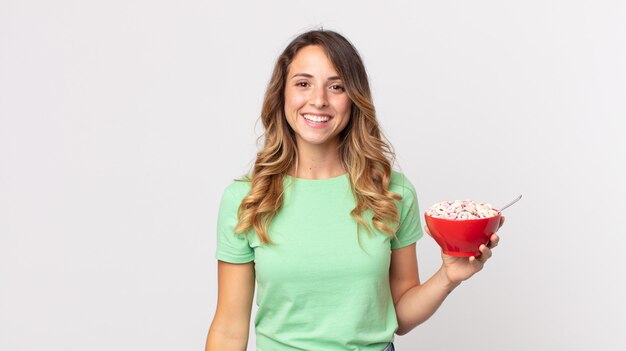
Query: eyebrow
[(306, 75)]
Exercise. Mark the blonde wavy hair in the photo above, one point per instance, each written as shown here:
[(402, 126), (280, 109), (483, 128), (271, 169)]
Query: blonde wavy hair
[(364, 154)]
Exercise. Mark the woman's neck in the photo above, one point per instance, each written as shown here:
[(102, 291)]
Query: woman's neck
[(319, 161)]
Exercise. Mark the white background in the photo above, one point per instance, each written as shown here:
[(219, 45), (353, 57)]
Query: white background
[(122, 121)]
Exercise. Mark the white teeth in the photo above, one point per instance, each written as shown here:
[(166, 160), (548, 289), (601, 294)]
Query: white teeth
[(316, 118)]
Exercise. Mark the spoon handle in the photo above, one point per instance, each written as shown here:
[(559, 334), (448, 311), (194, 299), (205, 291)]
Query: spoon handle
[(511, 203)]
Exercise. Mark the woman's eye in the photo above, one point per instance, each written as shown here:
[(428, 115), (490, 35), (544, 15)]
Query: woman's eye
[(338, 87), (302, 84)]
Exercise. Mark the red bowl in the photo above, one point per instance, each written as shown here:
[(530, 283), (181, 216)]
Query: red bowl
[(462, 237)]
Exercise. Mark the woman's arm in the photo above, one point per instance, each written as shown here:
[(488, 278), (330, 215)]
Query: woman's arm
[(415, 302), (230, 326)]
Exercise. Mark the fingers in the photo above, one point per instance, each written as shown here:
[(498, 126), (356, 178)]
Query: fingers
[(493, 241), (426, 230), (501, 222), (485, 254), (478, 261)]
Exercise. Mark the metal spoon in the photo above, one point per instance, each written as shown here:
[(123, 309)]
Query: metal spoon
[(511, 203)]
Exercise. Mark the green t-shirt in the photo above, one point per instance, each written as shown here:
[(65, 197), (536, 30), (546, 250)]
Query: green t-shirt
[(317, 288)]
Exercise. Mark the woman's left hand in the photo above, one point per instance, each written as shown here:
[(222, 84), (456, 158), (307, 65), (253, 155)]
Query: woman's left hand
[(458, 269)]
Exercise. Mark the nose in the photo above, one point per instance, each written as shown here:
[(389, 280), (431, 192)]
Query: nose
[(318, 97)]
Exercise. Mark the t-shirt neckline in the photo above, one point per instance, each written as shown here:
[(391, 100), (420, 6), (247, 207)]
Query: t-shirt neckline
[(318, 181)]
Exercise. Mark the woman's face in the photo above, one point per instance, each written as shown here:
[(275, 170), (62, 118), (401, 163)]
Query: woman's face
[(316, 104)]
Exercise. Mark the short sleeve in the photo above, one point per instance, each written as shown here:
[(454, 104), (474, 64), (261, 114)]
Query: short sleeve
[(410, 228), (231, 247)]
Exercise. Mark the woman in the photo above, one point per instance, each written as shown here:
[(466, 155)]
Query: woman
[(323, 224)]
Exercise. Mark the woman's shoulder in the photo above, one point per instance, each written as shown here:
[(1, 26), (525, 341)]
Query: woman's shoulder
[(239, 187), (400, 183)]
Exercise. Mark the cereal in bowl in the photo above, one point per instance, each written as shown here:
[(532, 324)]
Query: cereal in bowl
[(461, 209)]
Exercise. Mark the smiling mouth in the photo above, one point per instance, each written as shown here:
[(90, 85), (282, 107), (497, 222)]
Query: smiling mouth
[(316, 118)]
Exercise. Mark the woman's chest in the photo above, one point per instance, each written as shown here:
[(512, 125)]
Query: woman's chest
[(316, 243)]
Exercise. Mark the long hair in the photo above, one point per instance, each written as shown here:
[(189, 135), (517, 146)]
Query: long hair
[(364, 154)]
